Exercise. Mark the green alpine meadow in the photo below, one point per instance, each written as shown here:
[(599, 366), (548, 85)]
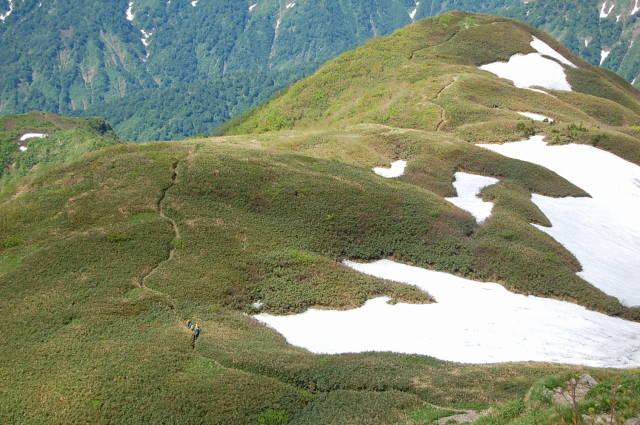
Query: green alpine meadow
[(171, 282)]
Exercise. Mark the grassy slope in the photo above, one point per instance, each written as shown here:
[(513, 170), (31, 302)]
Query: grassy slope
[(425, 77), (85, 342), (95, 283), (67, 139)]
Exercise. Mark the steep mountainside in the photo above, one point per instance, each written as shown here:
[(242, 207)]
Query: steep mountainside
[(104, 258), (162, 70)]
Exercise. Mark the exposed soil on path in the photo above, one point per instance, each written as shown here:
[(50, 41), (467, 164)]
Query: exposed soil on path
[(443, 115), (161, 212)]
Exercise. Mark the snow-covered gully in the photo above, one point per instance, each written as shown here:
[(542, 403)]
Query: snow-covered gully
[(482, 322), (602, 231), (468, 186), (534, 69), (471, 322)]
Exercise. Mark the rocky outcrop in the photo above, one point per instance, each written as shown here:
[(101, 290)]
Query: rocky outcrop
[(574, 391)]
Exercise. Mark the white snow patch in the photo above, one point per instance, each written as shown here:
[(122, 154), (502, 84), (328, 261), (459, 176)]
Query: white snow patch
[(586, 42), (472, 322), (28, 136), (253, 6), (290, 5), (145, 37), (535, 117), (413, 12), (468, 187), (130, 15), (257, 305), (544, 49), (531, 70), (6, 14), (603, 232), (603, 55), (396, 170), (636, 9), (603, 13), (194, 3), (22, 148)]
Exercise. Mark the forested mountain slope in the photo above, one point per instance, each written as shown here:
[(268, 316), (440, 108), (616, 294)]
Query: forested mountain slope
[(162, 70)]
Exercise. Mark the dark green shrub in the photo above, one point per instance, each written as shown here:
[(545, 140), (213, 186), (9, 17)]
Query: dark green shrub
[(10, 242), (118, 237), (273, 417)]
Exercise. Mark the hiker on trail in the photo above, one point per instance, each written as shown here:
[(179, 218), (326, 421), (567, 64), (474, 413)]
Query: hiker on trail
[(190, 324), (196, 334)]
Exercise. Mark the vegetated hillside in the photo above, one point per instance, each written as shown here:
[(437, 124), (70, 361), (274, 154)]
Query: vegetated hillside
[(103, 259), (96, 284), (41, 138), (165, 70), (426, 77)]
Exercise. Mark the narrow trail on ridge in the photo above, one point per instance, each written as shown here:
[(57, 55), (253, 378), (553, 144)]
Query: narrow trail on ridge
[(161, 212), (443, 115), (459, 416)]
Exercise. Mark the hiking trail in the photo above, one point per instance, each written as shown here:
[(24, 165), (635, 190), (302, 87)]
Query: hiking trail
[(443, 115), (176, 230)]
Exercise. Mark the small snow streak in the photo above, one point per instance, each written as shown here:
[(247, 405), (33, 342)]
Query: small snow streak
[(636, 9), (290, 5), (544, 49), (253, 6), (130, 14), (145, 37), (604, 14), (538, 91), (28, 136), (535, 117), (194, 3), (603, 55), (412, 14), (6, 14)]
